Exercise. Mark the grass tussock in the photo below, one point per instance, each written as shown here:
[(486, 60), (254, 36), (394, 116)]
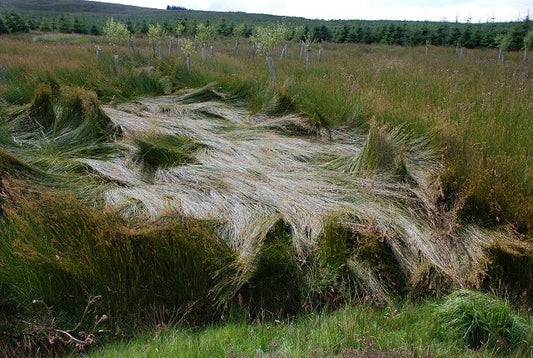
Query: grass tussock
[(274, 263), (379, 154), (391, 206), (65, 118), (164, 151), (479, 320), (42, 108)]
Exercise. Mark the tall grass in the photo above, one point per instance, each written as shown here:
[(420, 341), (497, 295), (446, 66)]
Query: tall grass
[(475, 110), (61, 253), (391, 228)]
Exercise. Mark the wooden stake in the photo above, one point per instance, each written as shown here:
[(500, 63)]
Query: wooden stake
[(116, 65)]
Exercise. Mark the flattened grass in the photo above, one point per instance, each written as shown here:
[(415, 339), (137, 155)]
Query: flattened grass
[(473, 108)]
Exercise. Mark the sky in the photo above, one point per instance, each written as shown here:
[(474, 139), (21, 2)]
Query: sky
[(430, 10)]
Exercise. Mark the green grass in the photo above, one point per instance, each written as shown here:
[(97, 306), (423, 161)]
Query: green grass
[(61, 252), (480, 320), (165, 151), (406, 331)]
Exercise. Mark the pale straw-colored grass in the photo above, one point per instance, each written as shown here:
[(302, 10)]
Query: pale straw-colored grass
[(250, 174)]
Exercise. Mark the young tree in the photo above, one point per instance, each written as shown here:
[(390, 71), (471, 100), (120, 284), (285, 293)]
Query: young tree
[(78, 27), (528, 44), (285, 35), (155, 36), (117, 33), (298, 35), (64, 25), (3, 27), (503, 42), (179, 30), (310, 43), (15, 23), (93, 31), (266, 38), (239, 32), (188, 48), (204, 34)]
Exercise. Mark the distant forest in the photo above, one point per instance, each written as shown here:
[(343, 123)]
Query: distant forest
[(402, 33), (170, 7)]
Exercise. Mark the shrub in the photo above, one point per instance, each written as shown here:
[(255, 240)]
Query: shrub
[(116, 32)]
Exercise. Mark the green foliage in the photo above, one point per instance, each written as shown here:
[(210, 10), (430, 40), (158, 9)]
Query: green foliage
[(528, 40), (187, 46), (204, 33), (478, 320), (267, 37), (116, 32), (179, 30), (353, 331), (310, 42), (3, 27), (240, 30), (47, 15), (484, 128), (163, 151), (156, 33), (14, 22), (146, 274), (298, 33), (503, 41)]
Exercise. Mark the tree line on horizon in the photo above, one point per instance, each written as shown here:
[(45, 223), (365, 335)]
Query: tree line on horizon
[(401, 33)]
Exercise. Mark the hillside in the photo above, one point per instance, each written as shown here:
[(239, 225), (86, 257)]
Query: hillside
[(77, 6), (84, 8)]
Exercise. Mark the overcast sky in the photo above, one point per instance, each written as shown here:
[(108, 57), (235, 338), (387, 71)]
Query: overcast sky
[(431, 10)]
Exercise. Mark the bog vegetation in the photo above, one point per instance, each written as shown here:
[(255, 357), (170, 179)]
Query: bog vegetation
[(191, 189)]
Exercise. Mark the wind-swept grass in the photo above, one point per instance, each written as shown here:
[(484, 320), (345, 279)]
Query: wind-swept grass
[(477, 111), (382, 188), (305, 188)]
